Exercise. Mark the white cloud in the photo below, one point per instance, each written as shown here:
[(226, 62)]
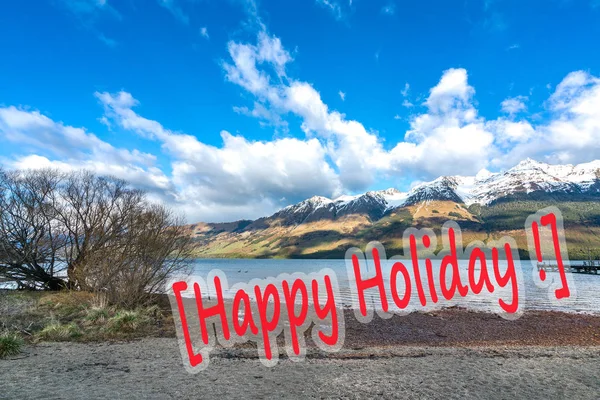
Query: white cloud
[(204, 32), (511, 132), (243, 177), (576, 89), (356, 152), (572, 134), (246, 57), (453, 91), (267, 117), (31, 128), (405, 92), (260, 69), (514, 105), (450, 138), (575, 128), (51, 143), (342, 95), (397, 117), (406, 103)]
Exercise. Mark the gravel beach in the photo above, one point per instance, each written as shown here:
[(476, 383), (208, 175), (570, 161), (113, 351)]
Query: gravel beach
[(442, 355), (152, 369)]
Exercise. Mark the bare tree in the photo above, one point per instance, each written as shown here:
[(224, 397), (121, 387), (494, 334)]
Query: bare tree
[(92, 213), (105, 234), (152, 247), (30, 239)]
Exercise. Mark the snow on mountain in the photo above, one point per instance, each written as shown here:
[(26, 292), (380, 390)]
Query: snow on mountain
[(394, 198), (374, 203), (311, 204), (529, 176), (443, 188), (344, 200), (317, 207), (526, 177), (385, 199), (583, 175)]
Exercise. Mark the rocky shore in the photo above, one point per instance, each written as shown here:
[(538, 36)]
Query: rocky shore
[(446, 354)]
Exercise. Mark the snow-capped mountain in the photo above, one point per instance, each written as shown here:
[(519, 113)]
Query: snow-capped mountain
[(315, 208), (484, 188), (374, 204), (320, 227), (526, 177), (443, 188)]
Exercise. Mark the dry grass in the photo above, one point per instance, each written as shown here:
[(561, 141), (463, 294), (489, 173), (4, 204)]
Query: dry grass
[(78, 316), (127, 321), (441, 209), (10, 344), (57, 332), (96, 315)]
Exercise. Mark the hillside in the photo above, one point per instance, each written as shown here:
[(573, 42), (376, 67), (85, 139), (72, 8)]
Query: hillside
[(486, 207)]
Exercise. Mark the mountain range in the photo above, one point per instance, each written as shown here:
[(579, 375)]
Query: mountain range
[(487, 206)]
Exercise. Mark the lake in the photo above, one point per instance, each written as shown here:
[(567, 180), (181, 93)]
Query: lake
[(585, 288)]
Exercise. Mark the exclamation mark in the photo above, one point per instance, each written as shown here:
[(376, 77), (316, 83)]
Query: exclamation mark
[(538, 250)]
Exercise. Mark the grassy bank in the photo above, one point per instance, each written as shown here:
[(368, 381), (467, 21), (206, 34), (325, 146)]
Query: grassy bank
[(31, 317)]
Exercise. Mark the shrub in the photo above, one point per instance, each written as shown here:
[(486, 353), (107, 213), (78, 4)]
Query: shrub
[(109, 237), (454, 214), (66, 304), (57, 332), (10, 344), (435, 212), (154, 311), (127, 321), (97, 315)]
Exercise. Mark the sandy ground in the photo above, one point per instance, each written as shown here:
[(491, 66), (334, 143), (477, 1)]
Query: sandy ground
[(152, 369), (438, 355)]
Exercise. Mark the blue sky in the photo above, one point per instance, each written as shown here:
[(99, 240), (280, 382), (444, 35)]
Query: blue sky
[(233, 109)]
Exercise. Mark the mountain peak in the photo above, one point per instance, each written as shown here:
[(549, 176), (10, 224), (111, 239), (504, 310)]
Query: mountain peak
[(319, 200), (483, 174), (389, 192), (528, 163)]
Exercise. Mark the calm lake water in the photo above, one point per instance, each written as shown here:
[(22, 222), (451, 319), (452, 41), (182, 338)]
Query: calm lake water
[(585, 289)]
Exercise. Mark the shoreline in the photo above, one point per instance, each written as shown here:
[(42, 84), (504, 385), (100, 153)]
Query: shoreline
[(450, 353), (452, 326), (460, 327), (151, 368)]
